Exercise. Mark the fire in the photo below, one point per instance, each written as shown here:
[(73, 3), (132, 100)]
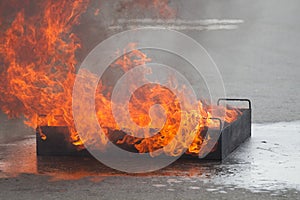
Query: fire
[(38, 70), (160, 6), (38, 53)]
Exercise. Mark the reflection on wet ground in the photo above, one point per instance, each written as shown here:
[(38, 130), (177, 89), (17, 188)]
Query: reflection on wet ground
[(20, 157), (270, 160)]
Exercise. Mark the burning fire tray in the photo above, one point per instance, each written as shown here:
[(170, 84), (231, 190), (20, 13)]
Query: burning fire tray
[(232, 135)]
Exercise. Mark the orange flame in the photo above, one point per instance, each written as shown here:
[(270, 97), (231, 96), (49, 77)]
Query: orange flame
[(38, 53), (38, 58)]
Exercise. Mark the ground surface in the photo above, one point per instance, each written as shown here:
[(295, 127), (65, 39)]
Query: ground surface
[(265, 167), (258, 60)]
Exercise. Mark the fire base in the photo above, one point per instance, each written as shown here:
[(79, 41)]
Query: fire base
[(232, 136)]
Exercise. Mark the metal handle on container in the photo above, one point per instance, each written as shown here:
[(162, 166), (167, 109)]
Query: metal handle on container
[(217, 119), (230, 99)]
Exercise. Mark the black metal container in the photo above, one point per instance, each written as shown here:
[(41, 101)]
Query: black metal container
[(232, 135)]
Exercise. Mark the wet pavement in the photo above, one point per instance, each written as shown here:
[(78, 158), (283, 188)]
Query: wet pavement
[(258, 58), (267, 164)]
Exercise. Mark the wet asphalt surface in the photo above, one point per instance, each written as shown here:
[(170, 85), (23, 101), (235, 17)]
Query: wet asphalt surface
[(264, 167), (257, 60)]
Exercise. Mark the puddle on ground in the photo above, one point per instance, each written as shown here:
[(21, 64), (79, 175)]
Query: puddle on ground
[(270, 160)]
